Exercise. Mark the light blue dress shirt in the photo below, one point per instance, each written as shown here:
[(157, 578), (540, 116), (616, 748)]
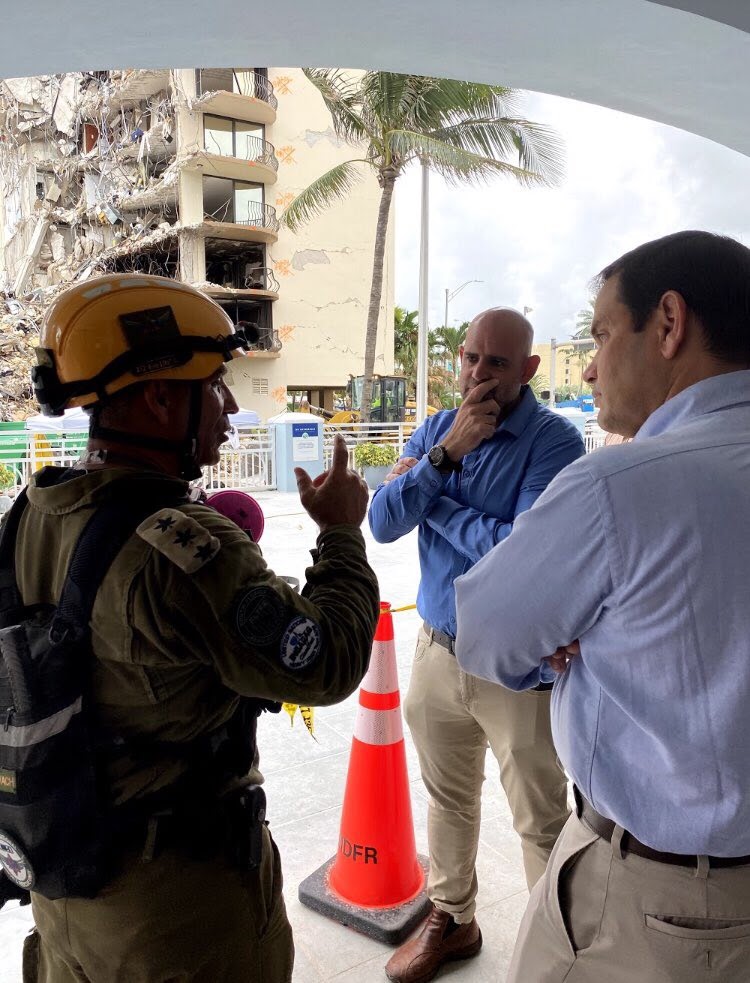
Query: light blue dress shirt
[(462, 516), (641, 551)]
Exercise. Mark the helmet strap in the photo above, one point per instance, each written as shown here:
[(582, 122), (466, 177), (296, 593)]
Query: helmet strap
[(186, 449)]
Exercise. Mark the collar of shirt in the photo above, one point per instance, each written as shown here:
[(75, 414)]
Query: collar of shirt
[(706, 396), (515, 423)]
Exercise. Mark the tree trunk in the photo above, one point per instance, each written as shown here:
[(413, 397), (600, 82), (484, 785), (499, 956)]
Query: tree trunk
[(376, 291)]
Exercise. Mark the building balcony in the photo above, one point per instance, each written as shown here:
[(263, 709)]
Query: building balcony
[(135, 85), (255, 222), (257, 283), (248, 96), (255, 162)]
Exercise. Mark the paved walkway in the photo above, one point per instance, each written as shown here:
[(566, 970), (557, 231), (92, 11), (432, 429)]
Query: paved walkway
[(305, 783)]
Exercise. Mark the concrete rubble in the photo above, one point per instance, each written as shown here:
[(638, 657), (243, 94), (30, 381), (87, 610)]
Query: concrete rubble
[(89, 180)]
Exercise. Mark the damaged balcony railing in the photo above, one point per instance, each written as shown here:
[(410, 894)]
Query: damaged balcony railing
[(259, 151), (268, 341), (261, 278), (257, 214)]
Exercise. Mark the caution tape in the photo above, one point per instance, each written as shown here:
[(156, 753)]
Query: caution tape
[(307, 714)]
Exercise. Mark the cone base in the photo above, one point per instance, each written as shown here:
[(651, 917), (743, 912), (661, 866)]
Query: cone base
[(389, 925)]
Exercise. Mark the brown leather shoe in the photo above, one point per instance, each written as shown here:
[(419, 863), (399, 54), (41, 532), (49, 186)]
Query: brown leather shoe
[(440, 941)]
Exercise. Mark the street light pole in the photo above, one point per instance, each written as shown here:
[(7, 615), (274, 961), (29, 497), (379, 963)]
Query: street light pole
[(449, 295), (422, 333)]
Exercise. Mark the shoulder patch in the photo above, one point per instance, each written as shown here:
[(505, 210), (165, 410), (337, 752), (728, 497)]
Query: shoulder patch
[(181, 538), (259, 614), (300, 646)]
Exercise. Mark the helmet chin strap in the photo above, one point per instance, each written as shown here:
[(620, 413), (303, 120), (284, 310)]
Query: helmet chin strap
[(186, 449)]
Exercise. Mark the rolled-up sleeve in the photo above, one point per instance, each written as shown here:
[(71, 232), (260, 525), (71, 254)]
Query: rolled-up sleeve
[(542, 587)]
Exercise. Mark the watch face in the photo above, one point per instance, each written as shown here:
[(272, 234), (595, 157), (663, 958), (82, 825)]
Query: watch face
[(436, 456)]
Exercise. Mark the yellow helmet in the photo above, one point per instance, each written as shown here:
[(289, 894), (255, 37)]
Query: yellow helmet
[(107, 333)]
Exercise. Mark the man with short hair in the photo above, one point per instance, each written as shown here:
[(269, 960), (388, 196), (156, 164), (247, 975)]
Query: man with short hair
[(465, 477), (192, 636), (632, 569)]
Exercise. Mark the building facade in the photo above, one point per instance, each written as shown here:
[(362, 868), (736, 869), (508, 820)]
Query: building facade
[(569, 367), (185, 173)]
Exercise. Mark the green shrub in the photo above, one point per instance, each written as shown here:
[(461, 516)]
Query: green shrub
[(374, 455)]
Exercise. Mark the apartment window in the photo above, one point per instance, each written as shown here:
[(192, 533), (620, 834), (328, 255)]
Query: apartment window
[(225, 200), (233, 137), (260, 386)]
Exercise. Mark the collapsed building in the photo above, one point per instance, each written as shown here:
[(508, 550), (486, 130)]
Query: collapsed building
[(172, 172)]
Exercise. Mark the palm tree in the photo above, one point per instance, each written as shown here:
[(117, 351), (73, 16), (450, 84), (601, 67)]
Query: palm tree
[(539, 384), (584, 320), (451, 340), (405, 330), (463, 130)]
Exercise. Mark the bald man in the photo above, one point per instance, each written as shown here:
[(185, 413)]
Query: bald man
[(465, 476)]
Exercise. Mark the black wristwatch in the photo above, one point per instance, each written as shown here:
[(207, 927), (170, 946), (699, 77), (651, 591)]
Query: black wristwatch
[(439, 459)]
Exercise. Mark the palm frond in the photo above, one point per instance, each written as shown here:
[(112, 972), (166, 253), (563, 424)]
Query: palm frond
[(342, 96), (454, 164), (332, 186), (535, 148)]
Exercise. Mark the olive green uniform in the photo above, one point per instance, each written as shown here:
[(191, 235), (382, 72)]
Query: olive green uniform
[(188, 617)]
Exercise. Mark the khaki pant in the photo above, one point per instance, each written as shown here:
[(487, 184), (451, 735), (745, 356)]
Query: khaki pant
[(173, 919), (601, 917), (452, 717)]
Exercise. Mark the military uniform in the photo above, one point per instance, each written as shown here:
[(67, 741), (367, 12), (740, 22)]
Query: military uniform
[(187, 619)]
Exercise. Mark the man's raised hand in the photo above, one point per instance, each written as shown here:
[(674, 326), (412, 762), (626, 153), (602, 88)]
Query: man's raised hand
[(475, 421), (336, 497)]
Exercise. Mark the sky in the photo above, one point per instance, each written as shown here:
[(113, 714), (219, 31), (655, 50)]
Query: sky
[(627, 180)]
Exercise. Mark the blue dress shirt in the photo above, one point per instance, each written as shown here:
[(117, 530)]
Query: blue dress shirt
[(462, 516), (642, 552)]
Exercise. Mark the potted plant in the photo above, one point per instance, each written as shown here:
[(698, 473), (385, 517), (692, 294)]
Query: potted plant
[(374, 461)]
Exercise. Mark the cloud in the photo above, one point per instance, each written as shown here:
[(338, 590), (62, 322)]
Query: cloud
[(628, 180)]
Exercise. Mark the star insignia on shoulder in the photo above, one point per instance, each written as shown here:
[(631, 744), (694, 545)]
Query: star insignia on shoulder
[(184, 537), (204, 552), (165, 523)]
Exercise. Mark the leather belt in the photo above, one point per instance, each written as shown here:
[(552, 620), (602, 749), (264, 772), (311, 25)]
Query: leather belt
[(440, 637), (449, 642), (629, 844)]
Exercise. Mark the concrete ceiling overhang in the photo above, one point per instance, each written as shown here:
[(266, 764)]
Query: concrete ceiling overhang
[(684, 63)]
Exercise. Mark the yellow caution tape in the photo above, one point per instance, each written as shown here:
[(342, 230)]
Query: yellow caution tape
[(307, 714)]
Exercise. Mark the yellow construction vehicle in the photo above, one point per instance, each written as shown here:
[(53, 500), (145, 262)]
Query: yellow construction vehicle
[(389, 402)]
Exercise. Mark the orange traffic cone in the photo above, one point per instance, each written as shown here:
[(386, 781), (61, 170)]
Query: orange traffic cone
[(375, 883)]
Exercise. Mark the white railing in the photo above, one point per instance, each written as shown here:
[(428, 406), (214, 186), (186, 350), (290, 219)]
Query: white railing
[(249, 461), (394, 434)]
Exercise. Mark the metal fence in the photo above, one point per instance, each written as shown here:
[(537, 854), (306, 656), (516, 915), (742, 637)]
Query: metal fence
[(248, 460)]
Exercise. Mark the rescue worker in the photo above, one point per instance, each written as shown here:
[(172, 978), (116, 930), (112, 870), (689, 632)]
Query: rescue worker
[(187, 623)]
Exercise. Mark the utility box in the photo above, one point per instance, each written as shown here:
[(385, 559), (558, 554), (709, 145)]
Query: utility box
[(298, 439)]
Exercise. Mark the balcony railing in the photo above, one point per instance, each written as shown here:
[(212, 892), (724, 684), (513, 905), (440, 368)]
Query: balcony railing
[(250, 148), (261, 279), (246, 84), (259, 215), (269, 341), (253, 213)]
